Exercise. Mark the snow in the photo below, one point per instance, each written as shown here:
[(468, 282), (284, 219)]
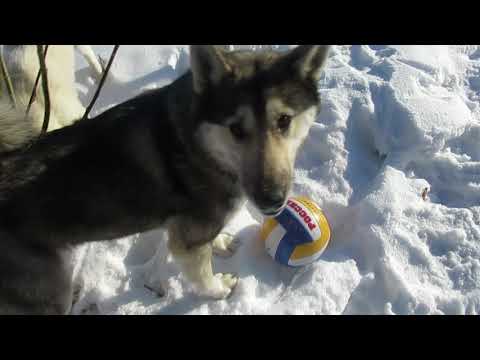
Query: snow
[(396, 122)]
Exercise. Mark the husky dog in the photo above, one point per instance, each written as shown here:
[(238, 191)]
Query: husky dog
[(22, 63), (182, 157)]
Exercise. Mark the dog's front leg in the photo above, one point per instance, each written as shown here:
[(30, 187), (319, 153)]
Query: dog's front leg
[(190, 245), (225, 245)]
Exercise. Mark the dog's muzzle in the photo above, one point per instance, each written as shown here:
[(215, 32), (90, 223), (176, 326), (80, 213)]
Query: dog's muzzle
[(274, 209)]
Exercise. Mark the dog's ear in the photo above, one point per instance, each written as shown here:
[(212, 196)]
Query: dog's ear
[(208, 66), (308, 61)]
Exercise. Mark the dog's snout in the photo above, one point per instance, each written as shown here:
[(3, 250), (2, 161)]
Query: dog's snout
[(271, 202), (277, 202)]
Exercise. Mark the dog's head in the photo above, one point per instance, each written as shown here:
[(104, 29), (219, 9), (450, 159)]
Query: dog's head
[(255, 110)]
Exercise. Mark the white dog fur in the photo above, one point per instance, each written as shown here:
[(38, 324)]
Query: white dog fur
[(22, 64)]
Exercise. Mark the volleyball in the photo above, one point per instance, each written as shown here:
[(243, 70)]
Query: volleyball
[(297, 236)]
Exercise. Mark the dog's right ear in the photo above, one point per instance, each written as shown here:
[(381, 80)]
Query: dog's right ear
[(208, 66), (308, 61)]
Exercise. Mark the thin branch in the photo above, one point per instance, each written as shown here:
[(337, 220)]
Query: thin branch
[(34, 91), (46, 94), (8, 81), (102, 81)]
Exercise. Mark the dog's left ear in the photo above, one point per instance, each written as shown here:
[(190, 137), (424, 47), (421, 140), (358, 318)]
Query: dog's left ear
[(209, 66), (308, 60)]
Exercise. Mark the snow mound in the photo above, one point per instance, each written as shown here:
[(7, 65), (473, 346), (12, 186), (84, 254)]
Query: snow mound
[(394, 161)]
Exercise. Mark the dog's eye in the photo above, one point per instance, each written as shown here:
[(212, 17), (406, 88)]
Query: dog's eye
[(237, 131), (284, 122)]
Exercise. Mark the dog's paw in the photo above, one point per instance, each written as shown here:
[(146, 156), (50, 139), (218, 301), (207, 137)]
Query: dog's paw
[(91, 309), (221, 286), (225, 245), (158, 290), (77, 290)]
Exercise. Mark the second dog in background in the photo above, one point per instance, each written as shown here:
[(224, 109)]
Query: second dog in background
[(22, 64)]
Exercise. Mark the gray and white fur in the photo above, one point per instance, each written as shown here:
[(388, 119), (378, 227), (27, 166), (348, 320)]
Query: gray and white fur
[(182, 157)]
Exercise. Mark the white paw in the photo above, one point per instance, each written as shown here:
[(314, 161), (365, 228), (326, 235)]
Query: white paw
[(221, 286), (225, 245)]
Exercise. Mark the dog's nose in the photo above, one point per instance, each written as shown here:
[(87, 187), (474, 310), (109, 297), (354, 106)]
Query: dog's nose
[(277, 204), (272, 202)]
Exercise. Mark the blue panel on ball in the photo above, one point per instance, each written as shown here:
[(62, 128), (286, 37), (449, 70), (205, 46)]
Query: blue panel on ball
[(296, 231), (285, 249)]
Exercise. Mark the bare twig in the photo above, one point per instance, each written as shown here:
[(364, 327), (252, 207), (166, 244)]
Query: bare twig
[(46, 94), (8, 81), (102, 81), (34, 90)]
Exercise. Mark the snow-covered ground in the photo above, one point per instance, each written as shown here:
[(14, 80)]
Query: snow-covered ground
[(397, 122)]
